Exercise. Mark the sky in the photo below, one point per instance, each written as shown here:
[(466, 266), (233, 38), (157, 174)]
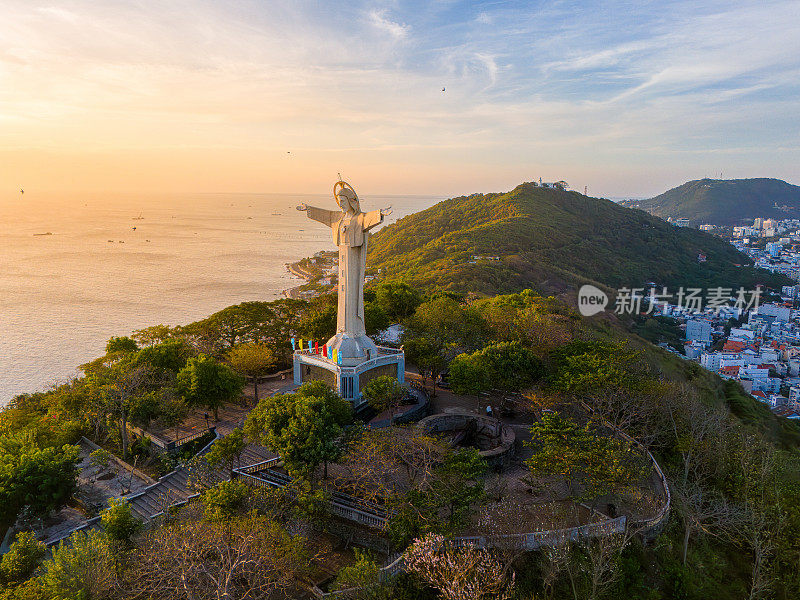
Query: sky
[(432, 97)]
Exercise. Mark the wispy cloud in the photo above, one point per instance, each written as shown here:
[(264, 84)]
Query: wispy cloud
[(378, 19), (587, 91)]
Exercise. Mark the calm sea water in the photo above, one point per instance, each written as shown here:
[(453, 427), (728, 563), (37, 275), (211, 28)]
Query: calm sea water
[(63, 295)]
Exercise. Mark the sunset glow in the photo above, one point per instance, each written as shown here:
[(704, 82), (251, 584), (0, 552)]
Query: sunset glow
[(278, 97)]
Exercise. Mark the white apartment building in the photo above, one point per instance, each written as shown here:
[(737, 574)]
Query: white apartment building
[(698, 330)]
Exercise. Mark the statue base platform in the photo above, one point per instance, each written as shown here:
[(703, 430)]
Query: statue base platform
[(349, 378)]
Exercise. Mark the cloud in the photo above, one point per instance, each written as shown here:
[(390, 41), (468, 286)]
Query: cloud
[(590, 89), (397, 31)]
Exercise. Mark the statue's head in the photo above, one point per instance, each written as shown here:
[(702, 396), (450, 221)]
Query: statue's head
[(346, 197)]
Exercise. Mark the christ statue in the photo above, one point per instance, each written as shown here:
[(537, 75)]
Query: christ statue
[(350, 228)]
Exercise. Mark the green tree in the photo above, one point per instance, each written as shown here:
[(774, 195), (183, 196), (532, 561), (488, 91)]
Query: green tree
[(507, 366), (173, 409), (397, 299), (458, 484), (155, 334), (304, 427), (582, 366), (450, 323), (439, 330), (118, 385), (469, 374), (245, 322), (384, 393), (121, 345), (170, 355), (144, 408), (375, 318), (599, 463), (22, 558), (225, 500), (100, 459), (455, 486), (80, 568), (429, 355), (253, 361), (558, 445), (361, 580), (227, 450), (319, 322), (39, 479), (206, 382), (118, 521)]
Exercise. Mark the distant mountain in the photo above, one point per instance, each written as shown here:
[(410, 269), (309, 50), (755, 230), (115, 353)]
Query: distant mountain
[(551, 240), (726, 201)]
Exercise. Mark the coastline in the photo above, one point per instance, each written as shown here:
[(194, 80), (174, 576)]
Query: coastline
[(295, 292), (317, 272)]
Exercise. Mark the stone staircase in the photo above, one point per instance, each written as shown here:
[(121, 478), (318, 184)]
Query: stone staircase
[(170, 490), (173, 488)]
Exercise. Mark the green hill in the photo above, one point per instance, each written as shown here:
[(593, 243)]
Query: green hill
[(552, 241), (726, 201)]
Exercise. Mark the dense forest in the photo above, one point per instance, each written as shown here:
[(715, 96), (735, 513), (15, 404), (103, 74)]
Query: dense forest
[(731, 464), (726, 201), (552, 240)]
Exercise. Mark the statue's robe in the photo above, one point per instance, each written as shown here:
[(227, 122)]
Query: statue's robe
[(351, 235)]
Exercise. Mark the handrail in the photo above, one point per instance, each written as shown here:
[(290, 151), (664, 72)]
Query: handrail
[(192, 436), (259, 466)]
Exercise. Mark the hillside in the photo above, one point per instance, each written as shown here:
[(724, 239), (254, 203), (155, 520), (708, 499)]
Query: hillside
[(552, 241), (726, 202)]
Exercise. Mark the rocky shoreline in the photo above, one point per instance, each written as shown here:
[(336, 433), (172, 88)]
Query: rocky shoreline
[(296, 291), (314, 271)]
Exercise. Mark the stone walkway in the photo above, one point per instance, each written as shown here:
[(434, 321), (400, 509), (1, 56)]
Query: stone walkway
[(231, 416)]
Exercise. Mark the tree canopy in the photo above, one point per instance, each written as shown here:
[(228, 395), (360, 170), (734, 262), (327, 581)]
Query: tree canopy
[(206, 382), (506, 366), (304, 427), (384, 393), (39, 479)]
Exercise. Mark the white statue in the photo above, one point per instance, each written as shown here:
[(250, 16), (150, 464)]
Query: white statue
[(350, 229)]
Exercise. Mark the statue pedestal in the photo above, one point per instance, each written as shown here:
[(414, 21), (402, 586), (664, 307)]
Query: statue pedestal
[(362, 361), (353, 349)]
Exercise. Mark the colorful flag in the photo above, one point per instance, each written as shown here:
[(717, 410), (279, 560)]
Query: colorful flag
[(301, 343), (333, 358), (316, 347), (324, 350), (339, 358), (330, 352), (293, 345)]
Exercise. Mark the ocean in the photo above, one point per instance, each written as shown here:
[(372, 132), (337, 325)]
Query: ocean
[(77, 270)]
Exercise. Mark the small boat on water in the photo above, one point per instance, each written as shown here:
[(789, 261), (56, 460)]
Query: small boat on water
[(48, 233), (139, 218), (276, 214)]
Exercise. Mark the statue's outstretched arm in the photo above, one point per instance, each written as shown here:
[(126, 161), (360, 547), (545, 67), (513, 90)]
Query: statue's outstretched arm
[(375, 217), (324, 216)]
